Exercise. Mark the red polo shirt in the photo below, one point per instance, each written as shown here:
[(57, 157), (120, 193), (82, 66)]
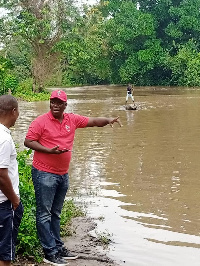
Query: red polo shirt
[(49, 132)]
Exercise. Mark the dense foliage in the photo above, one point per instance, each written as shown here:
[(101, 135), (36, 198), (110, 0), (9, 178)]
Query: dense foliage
[(116, 41), (28, 242)]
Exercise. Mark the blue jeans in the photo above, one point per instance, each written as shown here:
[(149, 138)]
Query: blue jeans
[(50, 192), (9, 224)]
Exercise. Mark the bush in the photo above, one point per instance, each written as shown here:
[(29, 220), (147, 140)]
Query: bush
[(69, 211), (25, 86), (28, 242), (10, 83), (24, 92)]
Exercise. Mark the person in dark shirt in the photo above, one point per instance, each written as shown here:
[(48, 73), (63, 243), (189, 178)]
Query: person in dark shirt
[(129, 93)]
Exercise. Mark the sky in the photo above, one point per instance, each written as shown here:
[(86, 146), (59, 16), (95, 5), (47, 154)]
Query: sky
[(90, 2)]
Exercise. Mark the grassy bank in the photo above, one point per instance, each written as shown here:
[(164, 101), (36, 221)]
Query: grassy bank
[(24, 92), (28, 243)]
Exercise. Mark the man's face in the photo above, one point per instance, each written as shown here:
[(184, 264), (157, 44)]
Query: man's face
[(57, 107)]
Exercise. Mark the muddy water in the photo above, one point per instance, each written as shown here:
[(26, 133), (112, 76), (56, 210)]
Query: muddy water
[(141, 180)]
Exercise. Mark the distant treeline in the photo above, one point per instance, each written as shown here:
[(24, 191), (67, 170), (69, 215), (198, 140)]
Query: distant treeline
[(60, 43)]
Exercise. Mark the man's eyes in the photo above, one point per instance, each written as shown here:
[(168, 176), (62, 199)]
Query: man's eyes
[(56, 103)]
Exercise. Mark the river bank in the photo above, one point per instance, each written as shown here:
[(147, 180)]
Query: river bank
[(90, 249)]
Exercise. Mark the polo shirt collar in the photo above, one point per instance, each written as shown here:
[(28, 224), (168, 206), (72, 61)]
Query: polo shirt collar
[(2, 127), (51, 116)]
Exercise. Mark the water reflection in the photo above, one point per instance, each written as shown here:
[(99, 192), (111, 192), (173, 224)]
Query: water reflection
[(143, 177)]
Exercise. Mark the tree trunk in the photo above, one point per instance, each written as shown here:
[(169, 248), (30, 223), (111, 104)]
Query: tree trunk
[(43, 66)]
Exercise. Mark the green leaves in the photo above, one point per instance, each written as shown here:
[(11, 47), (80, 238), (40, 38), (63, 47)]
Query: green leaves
[(115, 41), (41, 24), (28, 242), (5, 67), (185, 65), (128, 31)]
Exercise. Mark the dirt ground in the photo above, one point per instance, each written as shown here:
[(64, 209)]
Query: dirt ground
[(89, 249)]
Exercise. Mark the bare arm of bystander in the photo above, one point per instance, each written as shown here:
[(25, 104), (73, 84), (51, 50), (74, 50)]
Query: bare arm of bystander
[(7, 188)]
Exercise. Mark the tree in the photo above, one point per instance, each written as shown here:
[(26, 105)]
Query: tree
[(42, 24), (185, 65), (84, 51), (185, 22), (134, 50), (178, 29)]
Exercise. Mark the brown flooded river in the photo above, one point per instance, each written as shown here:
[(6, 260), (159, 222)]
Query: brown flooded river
[(142, 180)]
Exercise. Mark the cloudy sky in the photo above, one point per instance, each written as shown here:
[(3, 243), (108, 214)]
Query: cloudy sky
[(90, 2)]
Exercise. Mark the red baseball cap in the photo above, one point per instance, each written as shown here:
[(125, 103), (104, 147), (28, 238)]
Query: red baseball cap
[(59, 95)]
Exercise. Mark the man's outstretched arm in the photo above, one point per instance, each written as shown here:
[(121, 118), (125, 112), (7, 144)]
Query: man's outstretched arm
[(102, 121)]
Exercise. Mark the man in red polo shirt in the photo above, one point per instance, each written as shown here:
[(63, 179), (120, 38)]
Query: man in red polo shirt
[(51, 136)]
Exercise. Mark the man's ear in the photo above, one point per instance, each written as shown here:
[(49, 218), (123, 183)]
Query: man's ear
[(13, 110)]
